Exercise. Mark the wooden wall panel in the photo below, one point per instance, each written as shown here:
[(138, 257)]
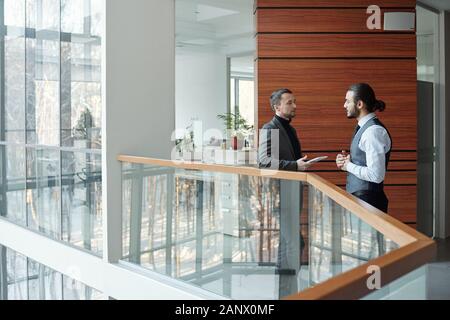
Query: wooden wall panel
[(404, 156), (396, 156), (336, 3), (317, 49), (392, 178), (330, 165), (402, 202), (320, 87), (402, 165), (336, 46), (316, 20)]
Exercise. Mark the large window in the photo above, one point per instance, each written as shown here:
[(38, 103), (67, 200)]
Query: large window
[(242, 97), (24, 279), (50, 118)]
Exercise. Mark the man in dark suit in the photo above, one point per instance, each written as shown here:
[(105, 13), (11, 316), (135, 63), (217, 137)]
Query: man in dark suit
[(280, 149), (279, 146)]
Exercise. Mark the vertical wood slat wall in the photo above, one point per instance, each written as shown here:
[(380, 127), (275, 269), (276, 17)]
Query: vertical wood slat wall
[(317, 49)]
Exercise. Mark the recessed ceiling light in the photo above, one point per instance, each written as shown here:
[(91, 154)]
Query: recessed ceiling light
[(209, 12)]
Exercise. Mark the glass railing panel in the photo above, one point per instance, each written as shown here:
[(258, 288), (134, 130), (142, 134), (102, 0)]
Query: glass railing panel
[(409, 287), (339, 241), (239, 236), (429, 282)]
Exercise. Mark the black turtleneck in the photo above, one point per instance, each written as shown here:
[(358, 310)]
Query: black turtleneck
[(292, 136)]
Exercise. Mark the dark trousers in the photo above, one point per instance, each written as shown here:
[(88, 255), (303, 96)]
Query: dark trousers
[(376, 199), (381, 202), (291, 243)]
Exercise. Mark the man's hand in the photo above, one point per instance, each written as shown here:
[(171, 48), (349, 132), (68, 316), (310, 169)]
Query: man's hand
[(302, 165), (342, 161)]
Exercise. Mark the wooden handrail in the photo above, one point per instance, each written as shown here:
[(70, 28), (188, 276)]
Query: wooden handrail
[(415, 248), (247, 171), (353, 283)]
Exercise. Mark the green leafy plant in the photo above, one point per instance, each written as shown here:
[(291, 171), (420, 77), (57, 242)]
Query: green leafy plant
[(236, 123)]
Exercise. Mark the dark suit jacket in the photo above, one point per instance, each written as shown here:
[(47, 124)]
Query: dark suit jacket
[(286, 159)]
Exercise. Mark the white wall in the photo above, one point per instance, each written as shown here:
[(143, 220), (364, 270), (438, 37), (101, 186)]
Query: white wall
[(138, 79), (201, 88)]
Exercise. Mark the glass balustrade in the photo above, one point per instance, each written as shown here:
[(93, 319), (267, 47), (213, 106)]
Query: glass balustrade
[(240, 236), (429, 282)]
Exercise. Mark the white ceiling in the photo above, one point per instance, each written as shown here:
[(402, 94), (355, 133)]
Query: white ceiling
[(224, 26)]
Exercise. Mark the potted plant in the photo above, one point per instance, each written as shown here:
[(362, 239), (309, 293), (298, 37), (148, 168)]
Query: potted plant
[(237, 126)]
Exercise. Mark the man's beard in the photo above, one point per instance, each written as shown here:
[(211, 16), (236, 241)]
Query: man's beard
[(353, 115), (290, 116)]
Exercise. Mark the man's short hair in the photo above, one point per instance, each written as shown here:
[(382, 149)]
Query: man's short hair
[(276, 96)]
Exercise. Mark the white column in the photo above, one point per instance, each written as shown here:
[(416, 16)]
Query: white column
[(138, 96)]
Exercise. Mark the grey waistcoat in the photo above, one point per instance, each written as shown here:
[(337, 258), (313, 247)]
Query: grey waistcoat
[(358, 157)]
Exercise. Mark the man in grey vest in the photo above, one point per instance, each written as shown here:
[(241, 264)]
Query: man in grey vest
[(370, 150)]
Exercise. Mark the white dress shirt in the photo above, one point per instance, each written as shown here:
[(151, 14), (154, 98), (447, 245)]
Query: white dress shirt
[(375, 142)]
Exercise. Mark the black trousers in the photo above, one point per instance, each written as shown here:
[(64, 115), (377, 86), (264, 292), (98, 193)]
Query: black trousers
[(374, 198), (381, 202)]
